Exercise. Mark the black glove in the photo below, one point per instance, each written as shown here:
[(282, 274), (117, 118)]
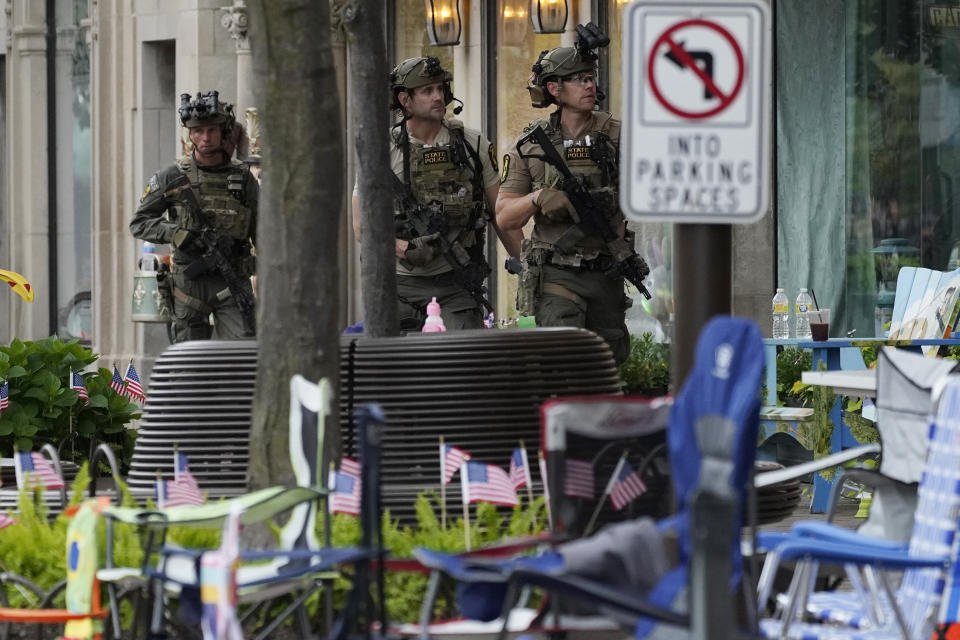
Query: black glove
[(186, 240), (421, 251), (555, 205)]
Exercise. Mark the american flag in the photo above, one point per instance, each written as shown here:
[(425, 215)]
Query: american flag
[(451, 459), (578, 479), (486, 483), (4, 396), (345, 488), (6, 520), (132, 381), (625, 485), (117, 383), (183, 490), (519, 469), (35, 472), (76, 383)]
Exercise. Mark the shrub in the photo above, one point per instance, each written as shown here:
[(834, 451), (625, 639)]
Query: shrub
[(646, 370), (45, 410)]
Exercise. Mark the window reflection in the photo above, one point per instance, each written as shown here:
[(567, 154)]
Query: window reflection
[(903, 127), (654, 241)]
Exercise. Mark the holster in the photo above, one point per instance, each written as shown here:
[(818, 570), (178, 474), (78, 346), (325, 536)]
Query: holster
[(165, 288), (531, 280)]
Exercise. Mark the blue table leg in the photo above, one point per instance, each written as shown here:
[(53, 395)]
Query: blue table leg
[(821, 487)]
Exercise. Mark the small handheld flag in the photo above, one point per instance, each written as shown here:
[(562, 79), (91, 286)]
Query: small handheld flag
[(345, 488), (625, 485), (132, 382), (451, 459), (35, 472), (578, 480), (486, 483), (4, 396), (116, 383), (519, 469), (76, 383)]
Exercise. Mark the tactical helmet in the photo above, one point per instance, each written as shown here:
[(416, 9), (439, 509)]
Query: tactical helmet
[(554, 64), (206, 109), (561, 62), (418, 72)]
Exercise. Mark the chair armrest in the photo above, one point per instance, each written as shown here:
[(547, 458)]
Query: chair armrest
[(768, 478), (629, 602), (856, 554), (831, 532), (869, 477)]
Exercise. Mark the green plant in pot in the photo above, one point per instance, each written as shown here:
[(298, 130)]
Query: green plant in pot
[(646, 370), (43, 409)]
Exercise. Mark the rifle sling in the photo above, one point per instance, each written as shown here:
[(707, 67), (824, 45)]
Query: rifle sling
[(194, 303)]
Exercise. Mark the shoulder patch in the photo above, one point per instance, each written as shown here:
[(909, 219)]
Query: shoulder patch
[(505, 170), (152, 185), (493, 156)]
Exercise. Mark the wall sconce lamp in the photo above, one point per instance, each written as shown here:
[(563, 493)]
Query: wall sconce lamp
[(443, 22), (548, 16), (515, 21)]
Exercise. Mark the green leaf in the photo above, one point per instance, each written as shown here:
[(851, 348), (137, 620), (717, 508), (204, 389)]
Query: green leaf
[(27, 430), (25, 444), (16, 371), (6, 427), (66, 398), (39, 393), (99, 400)]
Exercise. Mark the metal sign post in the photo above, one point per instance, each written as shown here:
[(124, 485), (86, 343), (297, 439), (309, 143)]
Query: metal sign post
[(696, 141)]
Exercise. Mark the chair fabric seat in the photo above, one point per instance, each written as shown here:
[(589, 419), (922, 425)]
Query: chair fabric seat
[(770, 628)]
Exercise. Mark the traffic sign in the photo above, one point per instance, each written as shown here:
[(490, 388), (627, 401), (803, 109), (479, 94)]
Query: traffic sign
[(695, 145)]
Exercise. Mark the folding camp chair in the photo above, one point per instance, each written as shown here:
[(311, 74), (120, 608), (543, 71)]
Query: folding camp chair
[(83, 614), (301, 565), (872, 609), (712, 440), (311, 408)]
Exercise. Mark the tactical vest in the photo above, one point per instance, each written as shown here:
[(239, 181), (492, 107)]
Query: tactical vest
[(445, 173), (229, 216), (580, 159)]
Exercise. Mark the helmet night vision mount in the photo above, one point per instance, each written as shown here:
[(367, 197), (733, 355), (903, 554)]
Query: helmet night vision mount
[(555, 64), (206, 109)]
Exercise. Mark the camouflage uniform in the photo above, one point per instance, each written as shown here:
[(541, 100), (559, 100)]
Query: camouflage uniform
[(570, 289), (229, 195)]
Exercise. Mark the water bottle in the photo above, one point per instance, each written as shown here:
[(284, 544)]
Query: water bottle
[(802, 321), (148, 259), (781, 315)]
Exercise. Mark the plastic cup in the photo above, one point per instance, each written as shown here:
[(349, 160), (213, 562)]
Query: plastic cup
[(819, 324)]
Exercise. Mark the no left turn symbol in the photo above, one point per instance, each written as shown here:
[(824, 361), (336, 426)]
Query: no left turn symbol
[(695, 69)]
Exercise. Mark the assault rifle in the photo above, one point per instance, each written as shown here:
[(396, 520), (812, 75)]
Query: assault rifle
[(217, 249), (589, 216), (418, 220)]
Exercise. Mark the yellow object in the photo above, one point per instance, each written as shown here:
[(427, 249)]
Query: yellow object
[(19, 284)]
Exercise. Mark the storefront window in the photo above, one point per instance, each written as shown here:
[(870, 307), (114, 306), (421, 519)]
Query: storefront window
[(517, 51), (74, 241), (411, 37), (654, 241), (903, 148)]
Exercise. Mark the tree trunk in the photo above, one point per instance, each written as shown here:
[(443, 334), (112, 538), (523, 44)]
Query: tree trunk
[(364, 23), (300, 213)]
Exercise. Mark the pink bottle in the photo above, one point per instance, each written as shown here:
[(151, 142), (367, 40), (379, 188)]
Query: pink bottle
[(433, 322)]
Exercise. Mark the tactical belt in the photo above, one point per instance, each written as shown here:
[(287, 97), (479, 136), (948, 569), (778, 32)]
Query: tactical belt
[(600, 263)]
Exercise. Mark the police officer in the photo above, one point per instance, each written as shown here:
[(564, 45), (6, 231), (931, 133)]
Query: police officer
[(439, 160), (224, 213), (570, 287)]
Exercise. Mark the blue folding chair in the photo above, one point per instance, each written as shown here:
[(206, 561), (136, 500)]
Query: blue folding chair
[(872, 609), (712, 442)]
